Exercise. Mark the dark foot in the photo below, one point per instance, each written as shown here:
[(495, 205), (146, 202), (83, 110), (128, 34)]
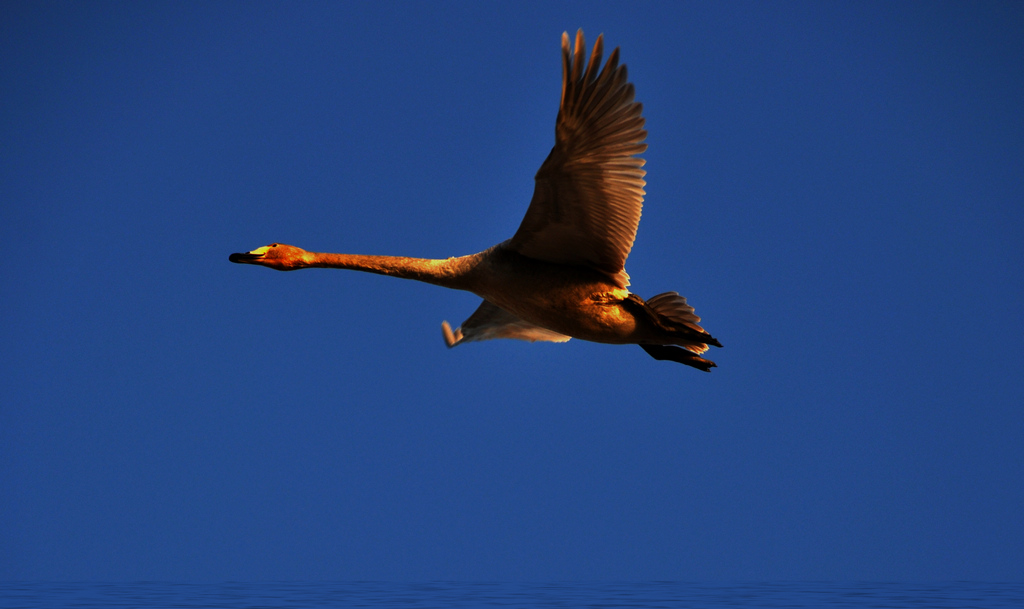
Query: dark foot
[(677, 354)]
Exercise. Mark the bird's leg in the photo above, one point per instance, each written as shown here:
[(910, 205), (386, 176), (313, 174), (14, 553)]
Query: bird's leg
[(676, 354)]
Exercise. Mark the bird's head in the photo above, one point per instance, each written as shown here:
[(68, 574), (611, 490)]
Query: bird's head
[(276, 256)]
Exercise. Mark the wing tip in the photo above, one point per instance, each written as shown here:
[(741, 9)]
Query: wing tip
[(451, 338)]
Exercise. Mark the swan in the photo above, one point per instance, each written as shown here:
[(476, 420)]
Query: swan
[(562, 274)]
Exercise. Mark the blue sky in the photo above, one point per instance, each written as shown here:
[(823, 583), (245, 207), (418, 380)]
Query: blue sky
[(838, 188)]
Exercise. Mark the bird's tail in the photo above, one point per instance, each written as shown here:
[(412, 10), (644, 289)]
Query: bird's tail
[(679, 318)]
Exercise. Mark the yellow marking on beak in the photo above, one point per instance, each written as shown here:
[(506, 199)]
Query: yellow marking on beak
[(259, 251)]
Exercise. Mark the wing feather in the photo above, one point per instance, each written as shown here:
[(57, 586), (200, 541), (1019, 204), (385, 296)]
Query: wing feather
[(589, 191), (490, 322)]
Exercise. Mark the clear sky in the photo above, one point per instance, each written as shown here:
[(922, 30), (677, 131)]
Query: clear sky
[(838, 188)]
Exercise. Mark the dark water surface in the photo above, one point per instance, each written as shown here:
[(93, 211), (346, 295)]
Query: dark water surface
[(456, 594)]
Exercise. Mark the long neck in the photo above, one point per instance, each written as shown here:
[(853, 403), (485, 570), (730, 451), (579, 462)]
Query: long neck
[(450, 273)]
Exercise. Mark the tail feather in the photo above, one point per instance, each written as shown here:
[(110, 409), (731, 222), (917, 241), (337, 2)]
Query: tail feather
[(675, 307), (672, 310)]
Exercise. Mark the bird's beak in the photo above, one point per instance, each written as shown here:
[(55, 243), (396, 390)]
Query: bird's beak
[(249, 257)]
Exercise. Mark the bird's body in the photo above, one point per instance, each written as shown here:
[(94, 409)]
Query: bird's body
[(573, 301), (562, 274)]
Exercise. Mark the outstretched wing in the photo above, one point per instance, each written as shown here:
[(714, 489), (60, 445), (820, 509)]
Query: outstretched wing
[(490, 321), (590, 190)]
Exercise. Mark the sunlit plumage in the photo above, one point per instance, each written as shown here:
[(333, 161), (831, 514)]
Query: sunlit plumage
[(562, 275)]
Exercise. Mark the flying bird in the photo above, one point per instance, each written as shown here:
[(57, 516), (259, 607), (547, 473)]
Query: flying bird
[(562, 274)]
